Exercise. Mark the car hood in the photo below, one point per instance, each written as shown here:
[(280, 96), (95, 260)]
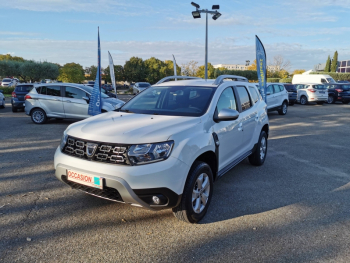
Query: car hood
[(113, 101), (129, 128)]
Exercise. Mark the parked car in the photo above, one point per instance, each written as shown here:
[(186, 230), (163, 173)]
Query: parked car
[(166, 146), (7, 82), (292, 93), (140, 86), (2, 100), (343, 81), (107, 87), (90, 83), (108, 93), (277, 98), (312, 78), (63, 101), (338, 92), (311, 92), (17, 100)]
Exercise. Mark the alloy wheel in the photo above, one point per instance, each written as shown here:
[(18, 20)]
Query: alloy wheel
[(200, 193), (38, 116), (330, 99), (284, 108), (262, 148)]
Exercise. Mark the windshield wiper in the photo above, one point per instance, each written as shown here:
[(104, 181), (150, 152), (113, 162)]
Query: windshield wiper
[(126, 111)]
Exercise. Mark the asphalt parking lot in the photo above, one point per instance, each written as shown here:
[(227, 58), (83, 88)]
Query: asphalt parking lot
[(295, 208)]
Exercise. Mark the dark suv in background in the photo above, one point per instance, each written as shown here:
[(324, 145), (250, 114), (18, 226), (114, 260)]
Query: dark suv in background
[(18, 95), (292, 93), (338, 92)]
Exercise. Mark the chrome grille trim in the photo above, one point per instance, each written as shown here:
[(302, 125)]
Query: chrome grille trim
[(105, 152)]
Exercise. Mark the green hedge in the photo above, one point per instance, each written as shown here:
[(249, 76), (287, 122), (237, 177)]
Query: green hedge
[(7, 90), (273, 80), (249, 74), (336, 76), (287, 80)]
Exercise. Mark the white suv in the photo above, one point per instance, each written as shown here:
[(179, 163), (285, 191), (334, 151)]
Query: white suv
[(312, 93), (277, 98), (166, 146)]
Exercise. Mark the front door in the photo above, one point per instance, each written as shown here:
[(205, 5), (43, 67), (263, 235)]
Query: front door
[(51, 101), (230, 133), (74, 105)]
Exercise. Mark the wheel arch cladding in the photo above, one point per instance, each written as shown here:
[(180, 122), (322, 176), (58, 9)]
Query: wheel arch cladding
[(35, 109), (209, 157), (266, 129)]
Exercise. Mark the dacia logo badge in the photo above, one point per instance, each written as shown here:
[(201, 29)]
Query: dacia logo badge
[(91, 149)]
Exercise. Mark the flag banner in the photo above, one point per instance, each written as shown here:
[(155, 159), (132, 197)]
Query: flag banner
[(261, 66), (95, 104), (111, 68), (174, 62)]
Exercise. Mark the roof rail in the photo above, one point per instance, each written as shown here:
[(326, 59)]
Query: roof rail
[(175, 77), (221, 78)]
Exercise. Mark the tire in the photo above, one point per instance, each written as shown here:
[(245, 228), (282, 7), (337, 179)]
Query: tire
[(303, 100), (258, 157), (284, 108), (38, 116), (3, 104), (345, 102), (185, 211), (14, 109), (331, 100), (320, 102)]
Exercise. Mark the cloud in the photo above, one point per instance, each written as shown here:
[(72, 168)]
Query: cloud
[(85, 52), (10, 33)]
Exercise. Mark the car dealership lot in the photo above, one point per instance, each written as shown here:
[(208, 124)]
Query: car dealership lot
[(293, 208)]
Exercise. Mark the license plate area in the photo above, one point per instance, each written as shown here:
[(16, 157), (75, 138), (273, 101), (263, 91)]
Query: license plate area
[(322, 92), (85, 179)]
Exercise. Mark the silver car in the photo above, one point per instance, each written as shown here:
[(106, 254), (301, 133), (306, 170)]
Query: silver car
[(63, 101), (140, 86)]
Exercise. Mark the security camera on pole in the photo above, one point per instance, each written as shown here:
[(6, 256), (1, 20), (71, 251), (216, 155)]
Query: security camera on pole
[(197, 14)]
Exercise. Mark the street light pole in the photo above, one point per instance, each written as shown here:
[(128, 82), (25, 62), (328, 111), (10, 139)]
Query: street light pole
[(197, 14), (206, 45)]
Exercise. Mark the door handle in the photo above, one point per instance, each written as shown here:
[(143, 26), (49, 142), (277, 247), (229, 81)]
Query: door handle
[(240, 127)]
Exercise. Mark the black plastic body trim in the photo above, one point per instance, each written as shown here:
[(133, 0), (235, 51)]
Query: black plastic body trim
[(234, 163), (173, 198)]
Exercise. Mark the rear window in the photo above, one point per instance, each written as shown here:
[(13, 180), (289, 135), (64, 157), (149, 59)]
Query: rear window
[(346, 86), (318, 86), (24, 88), (289, 87), (6, 80), (254, 94), (143, 85), (244, 97)]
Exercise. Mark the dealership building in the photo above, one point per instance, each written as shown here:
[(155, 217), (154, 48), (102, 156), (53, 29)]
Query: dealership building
[(343, 66)]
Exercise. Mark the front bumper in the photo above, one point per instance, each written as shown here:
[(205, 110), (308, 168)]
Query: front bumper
[(135, 184)]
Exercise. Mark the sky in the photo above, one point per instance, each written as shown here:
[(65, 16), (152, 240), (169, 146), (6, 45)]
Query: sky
[(304, 32)]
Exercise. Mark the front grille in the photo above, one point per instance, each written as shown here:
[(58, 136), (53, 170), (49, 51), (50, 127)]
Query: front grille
[(107, 192), (97, 151)]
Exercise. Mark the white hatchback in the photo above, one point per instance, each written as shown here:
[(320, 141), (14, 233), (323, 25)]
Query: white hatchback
[(311, 92), (166, 146)]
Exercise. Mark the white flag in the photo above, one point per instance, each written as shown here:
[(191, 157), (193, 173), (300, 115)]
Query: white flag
[(111, 68)]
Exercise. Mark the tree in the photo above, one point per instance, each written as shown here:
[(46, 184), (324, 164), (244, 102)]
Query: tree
[(12, 58), (201, 71), (252, 66), (156, 69), (327, 68), (71, 72), (279, 63), (91, 71), (170, 68), (334, 65), (189, 68), (298, 71), (118, 73), (135, 70)]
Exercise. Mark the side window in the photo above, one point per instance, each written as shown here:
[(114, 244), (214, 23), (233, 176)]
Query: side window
[(53, 90), (227, 100), (269, 89), (254, 94), (43, 90), (323, 81), (244, 97), (75, 93), (281, 87), (276, 88)]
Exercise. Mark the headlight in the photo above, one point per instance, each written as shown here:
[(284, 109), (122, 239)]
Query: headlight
[(63, 140), (149, 153)]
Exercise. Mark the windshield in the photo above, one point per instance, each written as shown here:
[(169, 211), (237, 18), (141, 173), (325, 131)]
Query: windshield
[(173, 101), (330, 80), (143, 85), (89, 90), (318, 86)]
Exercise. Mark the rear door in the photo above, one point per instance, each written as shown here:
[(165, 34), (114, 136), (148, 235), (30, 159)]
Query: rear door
[(278, 95), (51, 101), (74, 105), (270, 97)]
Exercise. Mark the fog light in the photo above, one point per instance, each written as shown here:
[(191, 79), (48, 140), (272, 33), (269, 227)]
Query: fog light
[(156, 199)]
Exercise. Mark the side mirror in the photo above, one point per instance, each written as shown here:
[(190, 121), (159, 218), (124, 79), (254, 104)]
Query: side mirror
[(86, 99), (226, 115)]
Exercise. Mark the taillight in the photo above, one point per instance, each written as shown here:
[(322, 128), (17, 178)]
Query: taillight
[(27, 97), (312, 90), (14, 94), (339, 90)]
